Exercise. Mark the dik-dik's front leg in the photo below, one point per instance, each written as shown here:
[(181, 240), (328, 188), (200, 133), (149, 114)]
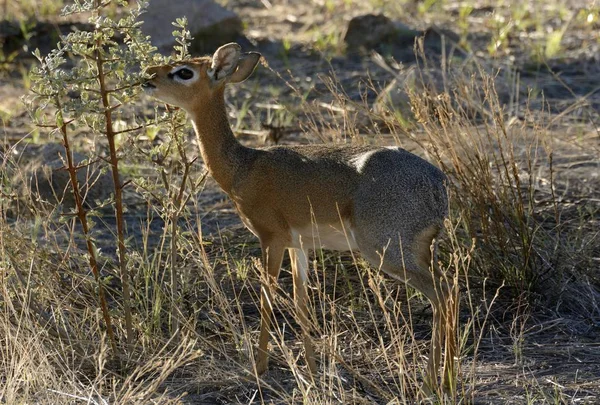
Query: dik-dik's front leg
[(299, 260), (272, 253)]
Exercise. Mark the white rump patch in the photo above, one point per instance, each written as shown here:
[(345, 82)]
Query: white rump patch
[(360, 161)]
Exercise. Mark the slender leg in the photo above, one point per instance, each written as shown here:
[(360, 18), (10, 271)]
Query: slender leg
[(272, 257), (449, 371), (445, 307), (299, 261), (435, 350), (445, 313)]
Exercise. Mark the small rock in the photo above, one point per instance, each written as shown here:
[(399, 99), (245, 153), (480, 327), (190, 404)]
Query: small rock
[(371, 30), (210, 24), (435, 38), (46, 175)]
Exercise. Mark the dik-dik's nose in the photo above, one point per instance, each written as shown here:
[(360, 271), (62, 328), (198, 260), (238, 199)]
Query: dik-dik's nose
[(147, 84), (149, 73)]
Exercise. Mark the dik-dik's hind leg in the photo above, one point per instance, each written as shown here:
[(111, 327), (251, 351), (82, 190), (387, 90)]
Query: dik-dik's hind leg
[(445, 313), (450, 369), (272, 257), (444, 299), (444, 334), (299, 261)]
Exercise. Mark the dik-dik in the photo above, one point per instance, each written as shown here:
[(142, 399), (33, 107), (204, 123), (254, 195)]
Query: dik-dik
[(385, 202)]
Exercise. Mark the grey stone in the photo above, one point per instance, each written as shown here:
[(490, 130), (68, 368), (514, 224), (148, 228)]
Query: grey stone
[(370, 30), (210, 24)]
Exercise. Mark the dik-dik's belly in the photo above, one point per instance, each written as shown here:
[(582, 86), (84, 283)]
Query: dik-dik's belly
[(324, 236)]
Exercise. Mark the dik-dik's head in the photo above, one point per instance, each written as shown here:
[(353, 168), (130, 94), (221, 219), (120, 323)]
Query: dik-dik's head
[(187, 84)]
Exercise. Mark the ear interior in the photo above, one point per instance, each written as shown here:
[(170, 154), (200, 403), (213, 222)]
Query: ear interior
[(245, 67), (224, 61)]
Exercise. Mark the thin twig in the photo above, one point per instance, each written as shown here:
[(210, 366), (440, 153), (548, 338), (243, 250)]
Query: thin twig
[(114, 163)]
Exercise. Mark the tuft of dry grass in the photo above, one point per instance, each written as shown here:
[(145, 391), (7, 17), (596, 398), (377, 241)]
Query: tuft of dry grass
[(502, 179), (521, 246)]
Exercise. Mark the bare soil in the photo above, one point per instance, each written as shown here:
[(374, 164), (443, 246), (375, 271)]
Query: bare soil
[(559, 350)]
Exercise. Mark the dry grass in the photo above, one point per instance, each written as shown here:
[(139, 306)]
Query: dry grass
[(521, 242)]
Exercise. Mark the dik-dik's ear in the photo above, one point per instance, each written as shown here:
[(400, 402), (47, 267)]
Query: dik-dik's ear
[(224, 61), (246, 66)]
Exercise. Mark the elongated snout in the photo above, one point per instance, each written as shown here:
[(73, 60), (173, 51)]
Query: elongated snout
[(148, 83)]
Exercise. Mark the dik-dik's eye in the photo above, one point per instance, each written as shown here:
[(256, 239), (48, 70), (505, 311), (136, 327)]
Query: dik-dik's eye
[(185, 74), (181, 74)]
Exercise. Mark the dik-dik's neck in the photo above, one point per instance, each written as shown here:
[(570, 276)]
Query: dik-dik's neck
[(221, 151)]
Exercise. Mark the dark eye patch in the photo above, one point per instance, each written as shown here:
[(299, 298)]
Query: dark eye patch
[(185, 74)]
